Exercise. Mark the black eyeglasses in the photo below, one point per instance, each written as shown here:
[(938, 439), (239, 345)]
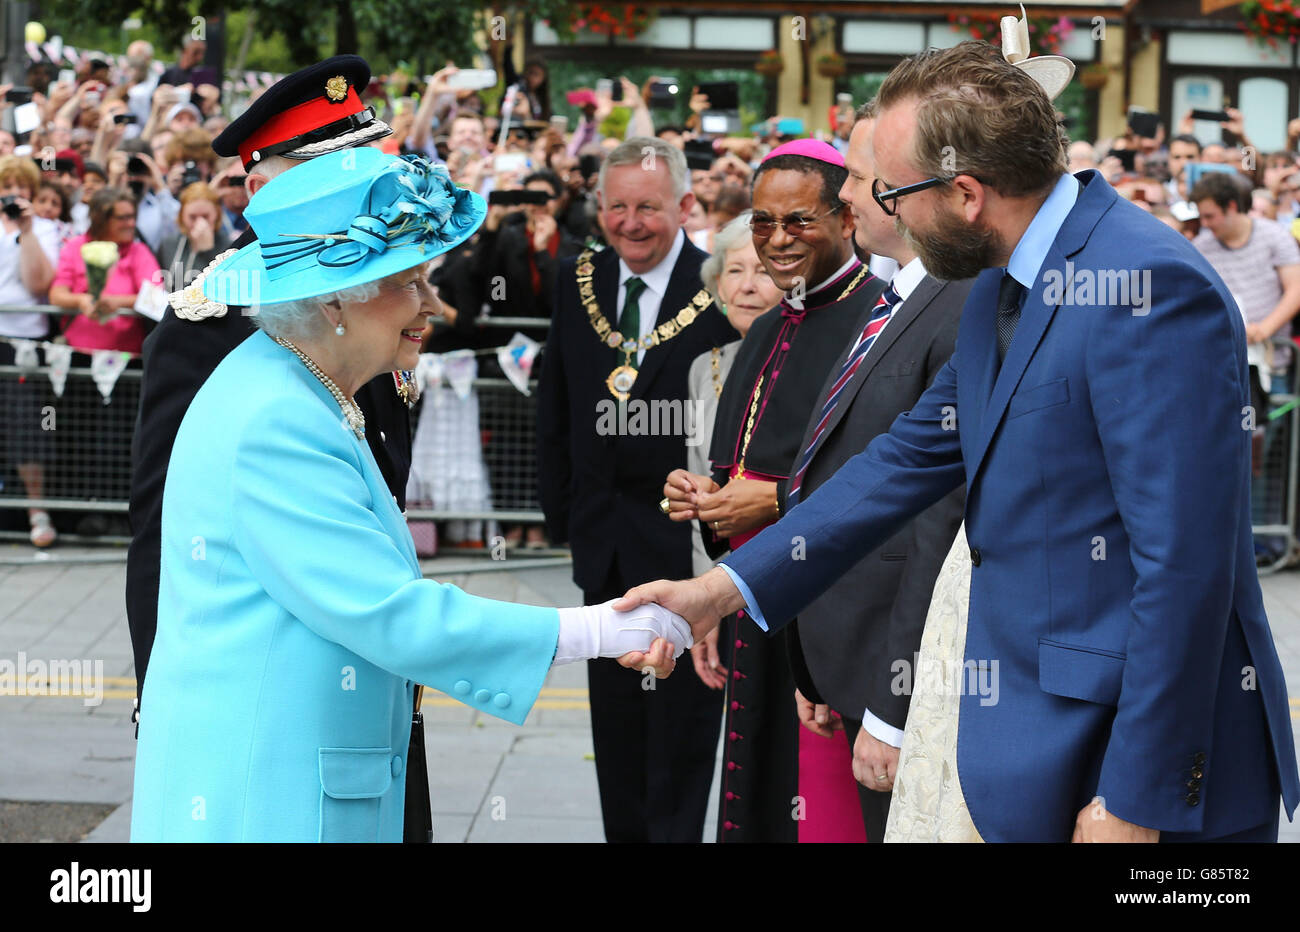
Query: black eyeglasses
[(888, 200), (764, 225)]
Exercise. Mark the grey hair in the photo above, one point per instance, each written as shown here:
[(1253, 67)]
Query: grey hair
[(274, 165), (640, 149), (303, 319), (728, 238)]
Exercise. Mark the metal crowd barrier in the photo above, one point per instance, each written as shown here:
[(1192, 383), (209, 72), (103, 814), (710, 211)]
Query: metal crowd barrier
[(84, 444), (87, 468), (1274, 502)]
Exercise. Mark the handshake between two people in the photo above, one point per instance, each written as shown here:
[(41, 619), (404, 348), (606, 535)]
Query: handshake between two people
[(650, 626)]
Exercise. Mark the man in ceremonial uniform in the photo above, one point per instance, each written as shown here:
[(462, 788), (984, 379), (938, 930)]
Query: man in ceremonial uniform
[(628, 321), (310, 112)]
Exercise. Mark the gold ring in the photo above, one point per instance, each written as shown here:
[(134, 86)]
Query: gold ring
[(664, 506), (882, 778)]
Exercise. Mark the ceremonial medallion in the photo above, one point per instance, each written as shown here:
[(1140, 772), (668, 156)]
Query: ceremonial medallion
[(336, 88), (620, 382), (621, 379)]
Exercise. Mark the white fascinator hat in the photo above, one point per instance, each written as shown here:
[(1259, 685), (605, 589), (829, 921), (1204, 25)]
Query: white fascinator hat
[(1052, 72)]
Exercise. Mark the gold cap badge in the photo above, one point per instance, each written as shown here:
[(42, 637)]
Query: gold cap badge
[(336, 88)]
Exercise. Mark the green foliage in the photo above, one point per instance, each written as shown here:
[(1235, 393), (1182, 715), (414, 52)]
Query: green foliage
[(289, 34), (430, 32)]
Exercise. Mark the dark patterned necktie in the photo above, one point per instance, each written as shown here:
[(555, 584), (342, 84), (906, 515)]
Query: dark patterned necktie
[(629, 322), (1009, 294), (880, 314)]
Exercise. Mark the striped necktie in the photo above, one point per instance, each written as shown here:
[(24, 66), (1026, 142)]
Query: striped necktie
[(880, 314)]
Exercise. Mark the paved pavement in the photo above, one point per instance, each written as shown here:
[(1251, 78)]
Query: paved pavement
[(489, 780), (64, 764)]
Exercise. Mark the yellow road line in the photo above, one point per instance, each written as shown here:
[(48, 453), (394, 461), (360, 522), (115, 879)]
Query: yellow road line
[(437, 699), (548, 691)]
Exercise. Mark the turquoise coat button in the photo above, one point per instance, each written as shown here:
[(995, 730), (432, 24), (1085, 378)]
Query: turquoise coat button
[(461, 688), (501, 700), (397, 765), (482, 695)]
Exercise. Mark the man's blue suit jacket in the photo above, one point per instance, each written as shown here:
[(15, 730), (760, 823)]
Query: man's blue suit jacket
[(1108, 512)]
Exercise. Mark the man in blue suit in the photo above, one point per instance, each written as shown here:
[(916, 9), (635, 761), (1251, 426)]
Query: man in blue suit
[(1098, 408)]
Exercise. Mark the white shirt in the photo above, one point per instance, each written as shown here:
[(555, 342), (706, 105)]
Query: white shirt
[(12, 289), (907, 278), (882, 266), (139, 97), (155, 217), (80, 218), (656, 286)]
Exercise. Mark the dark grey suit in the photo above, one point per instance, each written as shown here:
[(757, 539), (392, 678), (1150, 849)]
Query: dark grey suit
[(848, 642)]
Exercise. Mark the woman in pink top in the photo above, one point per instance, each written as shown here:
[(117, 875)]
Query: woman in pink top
[(98, 324)]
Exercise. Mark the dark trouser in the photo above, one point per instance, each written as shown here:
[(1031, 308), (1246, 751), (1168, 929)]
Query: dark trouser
[(655, 747), (875, 805)]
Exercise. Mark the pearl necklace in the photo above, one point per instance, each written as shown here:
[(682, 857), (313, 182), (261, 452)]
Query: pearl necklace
[(356, 420)]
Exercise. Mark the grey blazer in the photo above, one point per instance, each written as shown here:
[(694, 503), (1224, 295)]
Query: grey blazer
[(700, 380), (854, 634)]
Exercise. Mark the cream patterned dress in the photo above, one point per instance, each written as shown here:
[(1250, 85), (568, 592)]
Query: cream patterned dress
[(927, 804)]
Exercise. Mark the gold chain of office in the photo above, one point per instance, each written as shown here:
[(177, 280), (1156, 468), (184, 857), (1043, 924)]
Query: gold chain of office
[(620, 380)]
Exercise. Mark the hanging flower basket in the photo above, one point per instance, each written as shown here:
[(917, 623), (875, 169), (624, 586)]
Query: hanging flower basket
[(770, 64), (1094, 76), (1046, 35), (831, 65), (1270, 22), (625, 20)]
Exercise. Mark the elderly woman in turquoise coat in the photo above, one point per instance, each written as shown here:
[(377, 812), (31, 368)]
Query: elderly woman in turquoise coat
[(293, 619)]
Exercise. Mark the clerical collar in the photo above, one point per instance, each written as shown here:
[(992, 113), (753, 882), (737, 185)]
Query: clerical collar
[(797, 303), (657, 278)]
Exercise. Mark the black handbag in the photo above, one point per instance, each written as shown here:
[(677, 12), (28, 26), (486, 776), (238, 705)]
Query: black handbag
[(418, 823)]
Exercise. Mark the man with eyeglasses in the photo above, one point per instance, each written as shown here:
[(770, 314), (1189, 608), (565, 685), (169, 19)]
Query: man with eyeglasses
[(1126, 683), (804, 237), (853, 637)]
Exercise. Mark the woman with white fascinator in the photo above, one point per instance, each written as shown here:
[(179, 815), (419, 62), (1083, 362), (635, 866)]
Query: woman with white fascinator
[(293, 619)]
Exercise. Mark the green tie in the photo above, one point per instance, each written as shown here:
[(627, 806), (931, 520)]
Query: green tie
[(629, 322)]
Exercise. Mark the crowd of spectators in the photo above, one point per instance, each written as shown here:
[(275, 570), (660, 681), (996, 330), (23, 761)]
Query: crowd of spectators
[(123, 154)]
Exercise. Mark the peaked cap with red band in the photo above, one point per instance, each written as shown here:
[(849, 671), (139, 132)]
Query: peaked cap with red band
[(306, 114)]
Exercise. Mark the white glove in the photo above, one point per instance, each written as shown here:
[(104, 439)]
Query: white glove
[(590, 631)]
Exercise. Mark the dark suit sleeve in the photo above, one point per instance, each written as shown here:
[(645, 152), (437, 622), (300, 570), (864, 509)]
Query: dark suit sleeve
[(930, 537), (803, 678), (554, 468), (178, 358), (868, 499)]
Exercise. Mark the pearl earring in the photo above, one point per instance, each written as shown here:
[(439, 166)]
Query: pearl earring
[(339, 329)]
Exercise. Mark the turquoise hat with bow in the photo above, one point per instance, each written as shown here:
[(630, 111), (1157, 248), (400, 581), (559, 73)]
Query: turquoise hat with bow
[(340, 220)]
